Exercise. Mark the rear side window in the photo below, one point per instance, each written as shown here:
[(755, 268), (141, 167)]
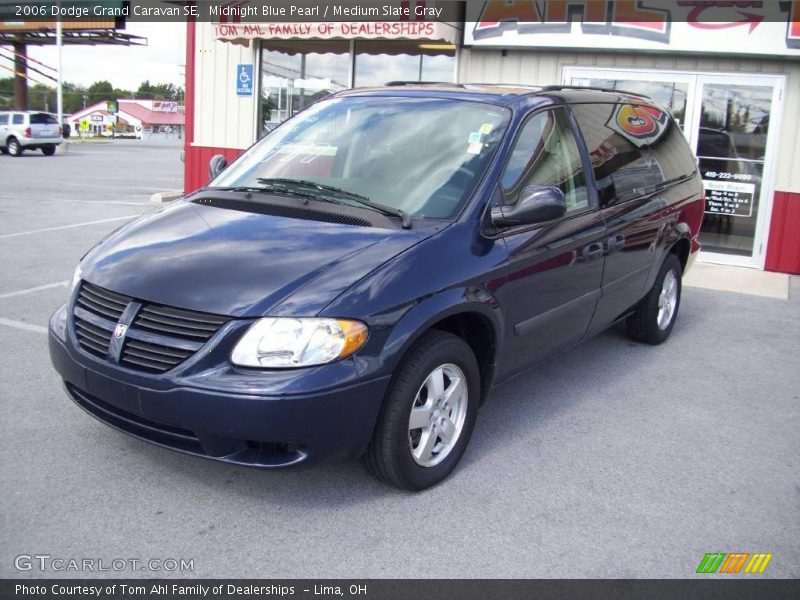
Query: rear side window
[(3, 119), (43, 119), (618, 138), (18, 119), (671, 154)]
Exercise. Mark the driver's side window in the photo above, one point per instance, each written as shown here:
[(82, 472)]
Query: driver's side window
[(546, 153)]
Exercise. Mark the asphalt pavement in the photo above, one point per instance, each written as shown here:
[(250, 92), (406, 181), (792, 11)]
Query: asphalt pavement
[(613, 460)]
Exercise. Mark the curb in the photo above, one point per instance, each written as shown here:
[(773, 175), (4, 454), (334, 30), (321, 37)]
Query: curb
[(166, 196)]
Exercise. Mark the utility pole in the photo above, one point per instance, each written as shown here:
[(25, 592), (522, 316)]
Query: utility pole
[(20, 76), (59, 92)]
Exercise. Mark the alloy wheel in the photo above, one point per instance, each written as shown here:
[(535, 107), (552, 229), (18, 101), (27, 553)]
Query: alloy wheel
[(438, 415)]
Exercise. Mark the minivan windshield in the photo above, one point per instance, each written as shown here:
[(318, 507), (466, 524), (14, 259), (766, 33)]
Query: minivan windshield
[(421, 156)]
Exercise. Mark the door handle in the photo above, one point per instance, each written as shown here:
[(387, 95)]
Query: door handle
[(616, 243), (593, 251)]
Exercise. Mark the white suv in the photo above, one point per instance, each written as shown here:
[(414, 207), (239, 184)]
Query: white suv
[(28, 130)]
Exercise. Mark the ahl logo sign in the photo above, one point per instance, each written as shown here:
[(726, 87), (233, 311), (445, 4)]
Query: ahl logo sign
[(640, 125), (719, 562)]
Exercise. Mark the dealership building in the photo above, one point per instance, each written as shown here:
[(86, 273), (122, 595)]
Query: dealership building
[(733, 87)]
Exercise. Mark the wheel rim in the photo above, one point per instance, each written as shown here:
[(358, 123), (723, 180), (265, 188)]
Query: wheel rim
[(13, 147), (667, 300), (438, 414)]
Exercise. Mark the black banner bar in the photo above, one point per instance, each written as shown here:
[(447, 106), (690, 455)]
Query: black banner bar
[(731, 13), (734, 588)]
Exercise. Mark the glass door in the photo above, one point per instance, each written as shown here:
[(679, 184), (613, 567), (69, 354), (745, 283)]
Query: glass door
[(726, 120), (733, 141)]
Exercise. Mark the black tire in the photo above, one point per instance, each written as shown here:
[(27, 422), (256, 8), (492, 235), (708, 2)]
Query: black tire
[(13, 147), (49, 150), (389, 456), (643, 324)]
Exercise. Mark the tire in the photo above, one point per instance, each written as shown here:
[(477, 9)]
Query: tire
[(49, 149), (654, 317), (13, 147), (403, 457)]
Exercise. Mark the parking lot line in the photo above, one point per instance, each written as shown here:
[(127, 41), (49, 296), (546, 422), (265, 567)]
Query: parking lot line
[(46, 229), (22, 325), (39, 288)]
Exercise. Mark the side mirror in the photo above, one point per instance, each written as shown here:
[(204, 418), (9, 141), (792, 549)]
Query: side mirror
[(536, 204), (216, 165)]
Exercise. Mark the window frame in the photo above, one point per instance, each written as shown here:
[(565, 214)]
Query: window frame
[(591, 187)]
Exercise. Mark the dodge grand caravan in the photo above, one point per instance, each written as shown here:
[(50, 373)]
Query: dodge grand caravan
[(355, 283)]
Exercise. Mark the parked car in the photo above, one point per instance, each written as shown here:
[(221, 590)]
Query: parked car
[(28, 130), (356, 282)]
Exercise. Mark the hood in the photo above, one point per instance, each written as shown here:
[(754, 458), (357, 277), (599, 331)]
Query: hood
[(238, 263)]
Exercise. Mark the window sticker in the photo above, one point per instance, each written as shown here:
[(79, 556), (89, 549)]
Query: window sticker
[(485, 129), (475, 148), (475, 137)]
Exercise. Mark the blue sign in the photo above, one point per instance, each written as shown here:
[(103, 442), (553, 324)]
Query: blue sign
[(244, 80)]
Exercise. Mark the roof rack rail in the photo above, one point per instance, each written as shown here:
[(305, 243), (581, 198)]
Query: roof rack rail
[(556, 88), (400, 83), (525, 86)]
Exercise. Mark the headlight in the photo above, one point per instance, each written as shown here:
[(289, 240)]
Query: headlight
[(285, 343), (76, 279), (58, 323)]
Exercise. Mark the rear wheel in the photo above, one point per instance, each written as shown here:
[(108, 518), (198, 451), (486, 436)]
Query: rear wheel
[(427, 420), (13, 147), (654, 318), (49, 150)]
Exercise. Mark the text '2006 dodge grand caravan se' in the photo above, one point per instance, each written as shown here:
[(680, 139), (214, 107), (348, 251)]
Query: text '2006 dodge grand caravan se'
[(356, 281)]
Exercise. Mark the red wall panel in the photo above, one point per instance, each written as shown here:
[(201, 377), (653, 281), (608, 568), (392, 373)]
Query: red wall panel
[(195, 173), (783, 245)]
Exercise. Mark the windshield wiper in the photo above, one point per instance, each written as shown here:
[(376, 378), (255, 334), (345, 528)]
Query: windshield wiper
[(248, 189), (363, 200)]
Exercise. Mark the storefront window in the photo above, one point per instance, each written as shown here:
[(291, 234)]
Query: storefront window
[(378, 64), (292, 78), (295, 74)]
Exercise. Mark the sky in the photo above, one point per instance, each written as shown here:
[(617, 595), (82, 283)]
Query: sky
[(161, 61)]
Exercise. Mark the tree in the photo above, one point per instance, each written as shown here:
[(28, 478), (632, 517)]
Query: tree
[(100, 90)]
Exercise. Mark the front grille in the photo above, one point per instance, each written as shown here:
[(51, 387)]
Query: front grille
[(177, 322), (104, 304), (159, 338)]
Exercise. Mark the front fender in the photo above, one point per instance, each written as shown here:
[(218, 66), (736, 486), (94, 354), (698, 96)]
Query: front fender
[(393, 342)]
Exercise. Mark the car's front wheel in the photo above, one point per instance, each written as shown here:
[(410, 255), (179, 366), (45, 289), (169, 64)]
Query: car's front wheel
[(13, 147), (654, 317), (428, 417), (49, 150)]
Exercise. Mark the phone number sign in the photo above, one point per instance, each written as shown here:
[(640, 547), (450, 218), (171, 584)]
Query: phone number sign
[(731, 198)]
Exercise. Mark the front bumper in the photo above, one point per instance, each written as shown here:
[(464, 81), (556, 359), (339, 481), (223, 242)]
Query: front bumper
[(268, 431)]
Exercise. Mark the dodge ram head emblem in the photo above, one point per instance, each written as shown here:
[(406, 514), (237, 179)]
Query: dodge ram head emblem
[(120, 330)]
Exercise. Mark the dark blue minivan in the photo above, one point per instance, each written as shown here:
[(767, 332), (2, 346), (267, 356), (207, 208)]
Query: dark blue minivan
[(356, 282)]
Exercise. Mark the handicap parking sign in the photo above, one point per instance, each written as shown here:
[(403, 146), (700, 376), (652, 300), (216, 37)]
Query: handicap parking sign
[(244, 80)]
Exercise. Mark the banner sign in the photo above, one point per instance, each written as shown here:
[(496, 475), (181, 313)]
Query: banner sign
[(744, 28)]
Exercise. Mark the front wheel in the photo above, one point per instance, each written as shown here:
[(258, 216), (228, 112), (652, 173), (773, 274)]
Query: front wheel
[(654, 317), (49, 150), (428, 417)]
